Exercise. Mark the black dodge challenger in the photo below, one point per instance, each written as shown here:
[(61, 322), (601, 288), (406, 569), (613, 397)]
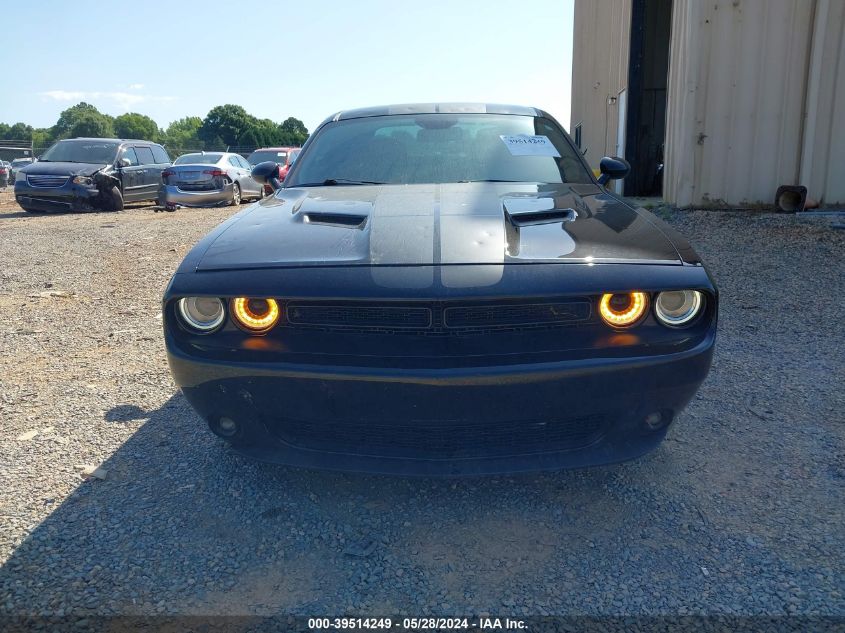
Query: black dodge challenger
[(441, 289)]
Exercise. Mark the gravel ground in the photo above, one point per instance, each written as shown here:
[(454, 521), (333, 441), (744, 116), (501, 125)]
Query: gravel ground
[(740, 511)]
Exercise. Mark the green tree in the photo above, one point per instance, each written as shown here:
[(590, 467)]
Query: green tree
[(262, 133), (224, 125), (42, 138), (20, 132), (134, 125), (91, 125), (16, 132), (184, 134), (292, 131), (73, 118)]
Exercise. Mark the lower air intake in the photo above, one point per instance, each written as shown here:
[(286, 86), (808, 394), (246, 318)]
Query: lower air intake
[(441, 439)]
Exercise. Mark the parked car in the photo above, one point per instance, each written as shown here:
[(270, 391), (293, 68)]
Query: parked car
[(5, 173), (17, 164), (441, 289), (207, 179), (283, 156), (84, 174)]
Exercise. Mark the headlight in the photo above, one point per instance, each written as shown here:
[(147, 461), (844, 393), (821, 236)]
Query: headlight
[(82, 180), (623, 310), (255, 315), (678, 307), (202, 313)]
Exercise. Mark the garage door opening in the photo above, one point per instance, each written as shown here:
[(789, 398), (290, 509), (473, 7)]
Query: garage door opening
[(648, 71)]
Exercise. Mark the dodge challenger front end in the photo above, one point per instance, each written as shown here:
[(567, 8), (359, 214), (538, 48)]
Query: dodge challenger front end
[(456, 296)]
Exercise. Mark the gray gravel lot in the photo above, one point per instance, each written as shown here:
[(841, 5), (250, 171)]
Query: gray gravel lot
[(740, 511)]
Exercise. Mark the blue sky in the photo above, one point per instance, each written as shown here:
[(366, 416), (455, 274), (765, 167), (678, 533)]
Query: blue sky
[(179, 58)]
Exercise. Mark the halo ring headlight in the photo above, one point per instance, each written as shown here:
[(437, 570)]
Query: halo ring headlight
[(623, 309), (255, 315), (678, 307), (203, 314)]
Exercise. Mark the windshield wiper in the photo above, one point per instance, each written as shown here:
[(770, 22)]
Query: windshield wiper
[(331, 182)]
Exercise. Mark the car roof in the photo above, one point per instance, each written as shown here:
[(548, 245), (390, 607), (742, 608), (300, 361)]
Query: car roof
[(274, 149), (436, 108), (116, 141)]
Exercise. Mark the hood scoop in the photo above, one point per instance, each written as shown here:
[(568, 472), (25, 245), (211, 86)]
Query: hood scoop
[(530, 211), (542, 217), (343, 220)]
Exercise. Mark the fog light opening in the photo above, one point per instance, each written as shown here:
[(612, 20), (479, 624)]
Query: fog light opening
[(656, 420), (227, 427)]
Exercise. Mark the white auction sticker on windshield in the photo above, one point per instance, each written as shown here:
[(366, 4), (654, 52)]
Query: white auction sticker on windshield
[(527, 145)]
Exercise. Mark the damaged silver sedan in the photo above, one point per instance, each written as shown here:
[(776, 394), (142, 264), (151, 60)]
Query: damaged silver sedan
[(86, 174), (206, 179)]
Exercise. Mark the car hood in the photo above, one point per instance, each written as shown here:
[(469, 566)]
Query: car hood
[(62, 169), (448, 224)]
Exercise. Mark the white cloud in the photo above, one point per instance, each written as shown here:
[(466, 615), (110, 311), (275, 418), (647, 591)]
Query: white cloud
[(123, 100), (63, 95)]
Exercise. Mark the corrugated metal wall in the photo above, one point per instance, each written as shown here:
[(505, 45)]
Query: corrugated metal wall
[(755, 97), (823, 149), (737, 82), (599, 70)]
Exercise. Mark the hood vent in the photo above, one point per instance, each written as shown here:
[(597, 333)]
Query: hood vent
[(346, 220), (529, 218)]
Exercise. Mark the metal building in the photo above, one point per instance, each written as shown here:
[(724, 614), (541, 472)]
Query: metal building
[(732, 97)]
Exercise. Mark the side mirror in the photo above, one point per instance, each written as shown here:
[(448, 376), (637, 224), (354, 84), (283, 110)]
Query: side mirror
[(613, 168), (266, 173), (124, 162)]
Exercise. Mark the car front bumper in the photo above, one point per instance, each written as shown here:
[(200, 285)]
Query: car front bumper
[(460, 421), (171, 195), (68, 197)]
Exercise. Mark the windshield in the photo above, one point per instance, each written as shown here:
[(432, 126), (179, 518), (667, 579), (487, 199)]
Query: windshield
[(198, 159), (262, 156), (439, 148), (81, 151)]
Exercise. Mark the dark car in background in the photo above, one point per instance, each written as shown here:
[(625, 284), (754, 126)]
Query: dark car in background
[(84, 174), (441, 289), (203, 179), (282, 156), (17, 164)]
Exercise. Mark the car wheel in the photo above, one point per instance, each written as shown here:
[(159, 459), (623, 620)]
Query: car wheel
[(236, 194), (261, 193), (31, 210), (115, 199)]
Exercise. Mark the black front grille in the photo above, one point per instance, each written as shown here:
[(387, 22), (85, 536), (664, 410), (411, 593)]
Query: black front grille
[(442, 439), (516, 314), (343, 316), (441, 318)]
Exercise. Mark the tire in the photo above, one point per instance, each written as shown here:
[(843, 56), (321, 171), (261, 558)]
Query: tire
[(236, 195), (261, 193), (114, 199), (32, 211)]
